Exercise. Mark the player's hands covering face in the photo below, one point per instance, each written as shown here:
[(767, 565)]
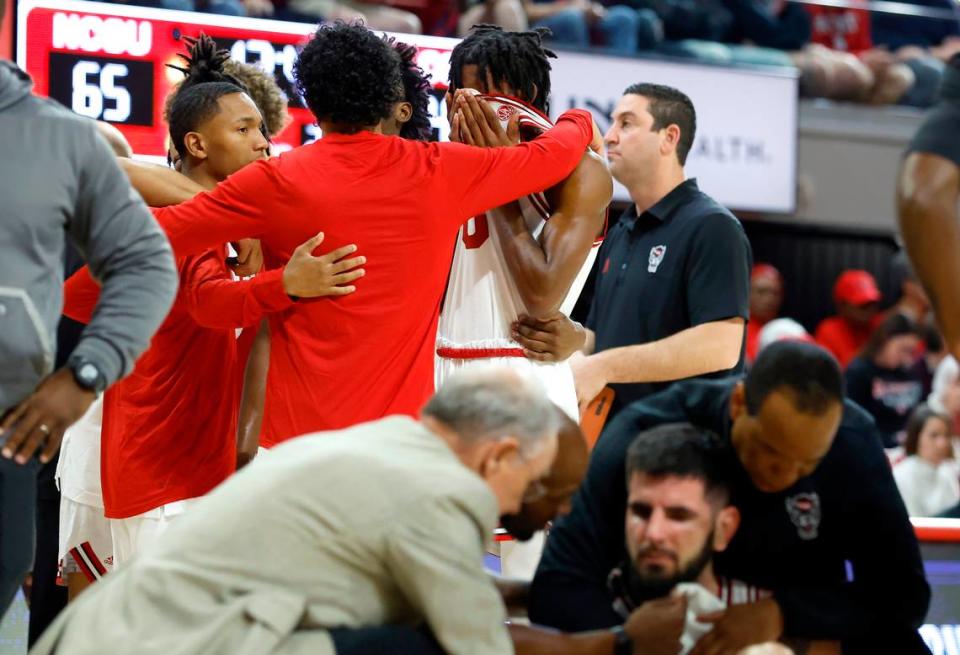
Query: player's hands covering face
[(476, 124)]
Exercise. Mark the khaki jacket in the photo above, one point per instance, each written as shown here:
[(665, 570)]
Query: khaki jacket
[(378, 524)]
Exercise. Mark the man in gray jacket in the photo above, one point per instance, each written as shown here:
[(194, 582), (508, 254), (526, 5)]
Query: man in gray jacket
[(61, 181)]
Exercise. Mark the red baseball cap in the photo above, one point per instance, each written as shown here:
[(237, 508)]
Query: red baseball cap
[(765, 270), (856, 288)]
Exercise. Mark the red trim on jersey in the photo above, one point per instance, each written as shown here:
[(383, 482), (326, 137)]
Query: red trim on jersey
[(517, 101), (85, 566), (478, 353), (89, 552)]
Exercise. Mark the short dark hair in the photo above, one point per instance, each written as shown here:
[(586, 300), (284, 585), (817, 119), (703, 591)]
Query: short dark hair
[(670, 106), (682, 450), (349, 76), (915, 424), (197, 98), (514, 58), (416, 91), (808, 371), (895, 325)]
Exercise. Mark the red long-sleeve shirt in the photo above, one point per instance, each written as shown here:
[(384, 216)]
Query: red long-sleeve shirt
[(169, 428), (337, 362)]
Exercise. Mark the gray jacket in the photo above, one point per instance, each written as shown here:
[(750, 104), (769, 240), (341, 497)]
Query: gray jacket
[(59, 180)]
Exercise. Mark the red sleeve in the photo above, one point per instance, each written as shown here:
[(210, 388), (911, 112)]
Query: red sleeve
[(235, 209), (477, 179), (215, 300), (80, 296)]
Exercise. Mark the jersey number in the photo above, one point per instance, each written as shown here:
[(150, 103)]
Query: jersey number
[(475, 232)]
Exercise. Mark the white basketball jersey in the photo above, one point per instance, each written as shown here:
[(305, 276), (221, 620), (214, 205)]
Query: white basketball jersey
[(482, 299)]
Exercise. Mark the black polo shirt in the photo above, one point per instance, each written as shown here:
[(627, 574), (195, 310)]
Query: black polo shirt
[(683, 262), (836, 549)]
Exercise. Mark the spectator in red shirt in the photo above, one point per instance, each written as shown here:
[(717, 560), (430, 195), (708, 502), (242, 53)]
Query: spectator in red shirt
[(766, 296), (857, 298), (876, 76), (401, 201)]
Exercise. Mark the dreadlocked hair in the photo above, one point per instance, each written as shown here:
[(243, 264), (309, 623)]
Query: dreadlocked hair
[(204, 62), (416, 91), (349, 76), (515, 59), (196, 98)]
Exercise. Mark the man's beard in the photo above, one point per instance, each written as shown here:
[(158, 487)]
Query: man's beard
[(643, 587)]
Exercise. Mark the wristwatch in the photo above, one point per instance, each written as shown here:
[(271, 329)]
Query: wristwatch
[(623, 644), (87, 375)]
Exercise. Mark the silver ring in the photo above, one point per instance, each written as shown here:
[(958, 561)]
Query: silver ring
[(43, 428)]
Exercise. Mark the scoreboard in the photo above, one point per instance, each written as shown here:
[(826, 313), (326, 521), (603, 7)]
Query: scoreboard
[(109, 62)]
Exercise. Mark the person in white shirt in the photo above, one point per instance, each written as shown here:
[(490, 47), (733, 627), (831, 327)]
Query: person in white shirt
[(945, 395), (928, 476), (86, 545)]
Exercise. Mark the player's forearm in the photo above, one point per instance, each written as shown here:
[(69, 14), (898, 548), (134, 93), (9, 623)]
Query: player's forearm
[(476, 179), (699, 350), (931, 233), (225, 303), (535, 275), (534, 640), (158, 185), (252, 398), (589, 342)]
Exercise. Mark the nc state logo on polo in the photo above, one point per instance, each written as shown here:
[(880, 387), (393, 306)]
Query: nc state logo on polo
[(804, 511), (656, 256)]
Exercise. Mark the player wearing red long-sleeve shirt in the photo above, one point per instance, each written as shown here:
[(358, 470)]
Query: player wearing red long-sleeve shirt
[(169, 429), (401, 201)]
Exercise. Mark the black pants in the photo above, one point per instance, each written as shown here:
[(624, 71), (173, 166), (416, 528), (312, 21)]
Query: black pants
[(18, 492), (385, 640)]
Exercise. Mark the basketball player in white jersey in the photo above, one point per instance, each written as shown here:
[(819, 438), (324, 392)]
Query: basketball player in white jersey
[(86, 545), (532, 255)]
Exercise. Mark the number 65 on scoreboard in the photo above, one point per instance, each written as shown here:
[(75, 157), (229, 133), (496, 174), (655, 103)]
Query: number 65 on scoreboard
[(103, 88)]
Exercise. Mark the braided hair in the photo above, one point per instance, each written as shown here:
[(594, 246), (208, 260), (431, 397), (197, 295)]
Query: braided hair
[(416, 91), (517, 59), (196, 99)]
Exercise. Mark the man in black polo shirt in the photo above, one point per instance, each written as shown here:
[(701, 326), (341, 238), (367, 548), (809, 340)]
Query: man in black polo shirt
[(823, 526), (673, 276), (928, 192)]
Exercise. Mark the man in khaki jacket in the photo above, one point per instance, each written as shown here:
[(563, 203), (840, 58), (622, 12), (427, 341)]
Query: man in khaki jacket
[(384, 523)]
